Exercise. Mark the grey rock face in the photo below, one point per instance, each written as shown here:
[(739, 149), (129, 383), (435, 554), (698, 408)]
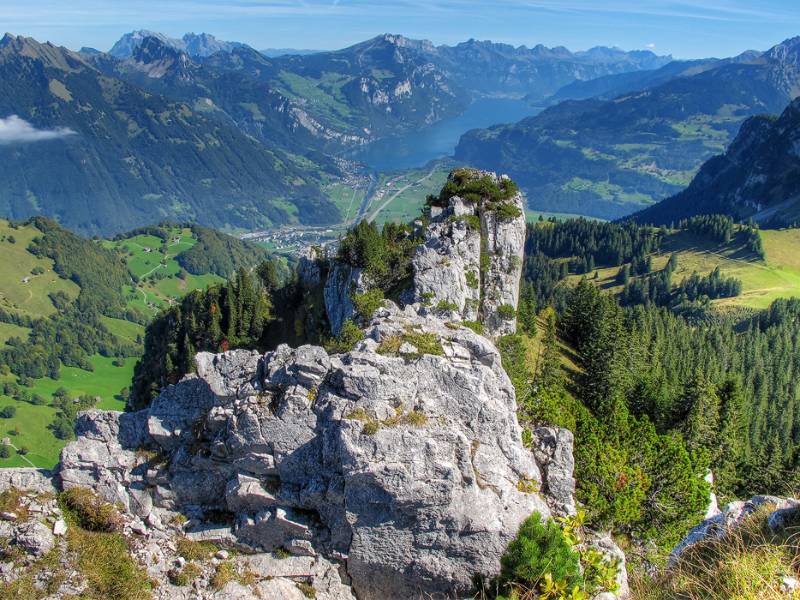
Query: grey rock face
[(505, 244), (343, 281), (406, 466), (552, 447), (35, 480), (308, 268), (35, 538), (447, 266), (103, 458)]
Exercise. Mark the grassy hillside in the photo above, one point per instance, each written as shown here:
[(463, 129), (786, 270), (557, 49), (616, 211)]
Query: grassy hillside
[(153, 261), (763, 281), (20, 290), (33, 294)]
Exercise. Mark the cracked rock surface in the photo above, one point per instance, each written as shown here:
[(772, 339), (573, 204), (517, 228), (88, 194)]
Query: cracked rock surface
[(405, 468)]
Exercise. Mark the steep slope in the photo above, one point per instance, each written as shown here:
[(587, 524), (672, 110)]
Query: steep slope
[(383, 85), (236, 87), (113, 156), (610, 158), (758, 177)]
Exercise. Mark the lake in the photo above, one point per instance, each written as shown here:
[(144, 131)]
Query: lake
[(416, 149)]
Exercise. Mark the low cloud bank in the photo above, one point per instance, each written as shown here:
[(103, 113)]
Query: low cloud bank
[(15, 130)]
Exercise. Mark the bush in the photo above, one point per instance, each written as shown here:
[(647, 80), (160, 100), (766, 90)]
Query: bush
[(367, 303), (348, 337), (8, 412), (5, 451), (472, 279), (476, 326), (445, 306), (506, 312), (507, 211), (540, 552)]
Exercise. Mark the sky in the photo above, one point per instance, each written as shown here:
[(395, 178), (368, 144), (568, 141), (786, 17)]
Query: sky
[(702, 28)]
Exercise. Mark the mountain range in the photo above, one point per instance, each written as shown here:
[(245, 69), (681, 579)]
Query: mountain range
[(611, 157), (217, 132), (118, 156)]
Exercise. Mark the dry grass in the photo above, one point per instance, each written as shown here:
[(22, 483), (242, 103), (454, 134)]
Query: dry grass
[(748, 563), (90, 511), (192, 550)]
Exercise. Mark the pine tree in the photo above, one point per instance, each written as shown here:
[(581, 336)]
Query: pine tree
[(701, 425)]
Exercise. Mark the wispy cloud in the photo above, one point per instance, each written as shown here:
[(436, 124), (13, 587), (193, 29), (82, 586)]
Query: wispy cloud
[(15, 130)]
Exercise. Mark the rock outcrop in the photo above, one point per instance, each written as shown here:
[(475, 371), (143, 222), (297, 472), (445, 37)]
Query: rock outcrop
[(472, 259), (393, 470), (343, 281), (402, 458)]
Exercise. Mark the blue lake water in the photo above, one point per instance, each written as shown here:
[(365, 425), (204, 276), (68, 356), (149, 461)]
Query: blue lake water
[(417, 148)]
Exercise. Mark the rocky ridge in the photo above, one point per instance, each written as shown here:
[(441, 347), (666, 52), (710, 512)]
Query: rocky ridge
[(395, 469)]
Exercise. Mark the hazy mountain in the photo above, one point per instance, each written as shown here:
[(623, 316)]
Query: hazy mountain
[(102, 155), (758, 177), (611, 86), (201, 45), (391, 83), (489, 68), (275, 52), (609, 158)]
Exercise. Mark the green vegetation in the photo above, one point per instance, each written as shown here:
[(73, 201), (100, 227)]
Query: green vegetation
[(100, 553), (79, 325), (384, 255), (548, 560), (698, 382), (348, 337), (425, 343), (233, 315), (367, 303)]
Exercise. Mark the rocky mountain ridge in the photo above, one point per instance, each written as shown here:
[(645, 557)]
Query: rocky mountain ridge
[(132, 156), (394, 469)]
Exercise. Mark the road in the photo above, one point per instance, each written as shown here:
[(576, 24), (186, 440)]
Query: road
[(389, 200)]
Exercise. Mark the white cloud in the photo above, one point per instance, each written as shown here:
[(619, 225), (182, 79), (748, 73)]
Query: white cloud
[(650, 46), (13, 129)]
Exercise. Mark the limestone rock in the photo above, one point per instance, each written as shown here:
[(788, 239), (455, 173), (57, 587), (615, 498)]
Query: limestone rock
[(418, 502), (35, 538), (448, 267), (552, 447), (343, 281), (732, 515), (103, 458), (309, 272), (24, 478)]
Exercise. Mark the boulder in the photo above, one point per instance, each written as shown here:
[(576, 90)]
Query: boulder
[(30, 479), (35, 538)]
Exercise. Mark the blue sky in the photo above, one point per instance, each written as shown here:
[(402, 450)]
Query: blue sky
[(685, 29)]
